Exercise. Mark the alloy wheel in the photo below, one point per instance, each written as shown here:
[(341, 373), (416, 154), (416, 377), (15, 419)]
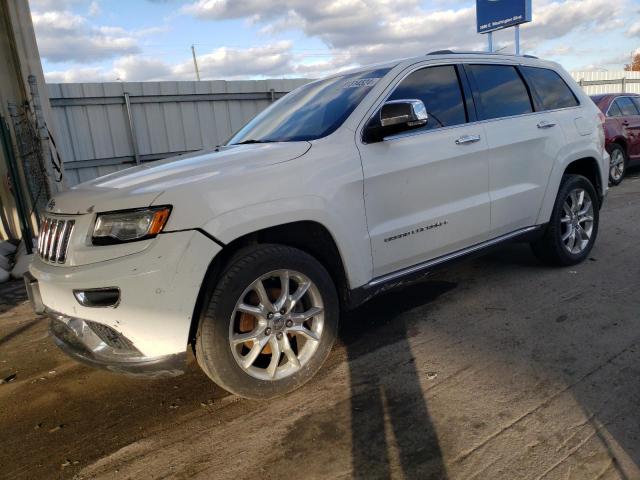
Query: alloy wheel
[(276, 325), (617, 165), (577, 221)]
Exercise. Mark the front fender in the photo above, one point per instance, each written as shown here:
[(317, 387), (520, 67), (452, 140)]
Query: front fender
[(348, 230)]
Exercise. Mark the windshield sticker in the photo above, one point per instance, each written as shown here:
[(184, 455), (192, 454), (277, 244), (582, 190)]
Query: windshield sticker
[(363, 82)]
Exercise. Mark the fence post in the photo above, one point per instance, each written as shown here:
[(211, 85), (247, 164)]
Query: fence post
[(624, 84), (132, 129)]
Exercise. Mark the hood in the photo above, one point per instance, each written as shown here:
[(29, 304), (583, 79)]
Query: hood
[(139, 186)]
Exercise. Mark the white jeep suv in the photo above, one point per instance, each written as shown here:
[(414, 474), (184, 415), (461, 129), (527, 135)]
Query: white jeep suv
[(342, 189)]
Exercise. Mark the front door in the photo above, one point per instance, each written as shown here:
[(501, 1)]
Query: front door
[(426, 190)]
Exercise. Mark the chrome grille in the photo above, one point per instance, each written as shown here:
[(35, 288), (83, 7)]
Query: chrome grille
[(53, 240)]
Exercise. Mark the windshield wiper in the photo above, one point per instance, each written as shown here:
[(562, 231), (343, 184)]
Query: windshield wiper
[(249, 142)]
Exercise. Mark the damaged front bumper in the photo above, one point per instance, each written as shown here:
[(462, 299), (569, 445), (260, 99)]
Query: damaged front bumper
[(98, 345)]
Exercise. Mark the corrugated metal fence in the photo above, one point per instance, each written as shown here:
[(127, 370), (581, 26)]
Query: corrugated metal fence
[(595, 83), (105, 127)]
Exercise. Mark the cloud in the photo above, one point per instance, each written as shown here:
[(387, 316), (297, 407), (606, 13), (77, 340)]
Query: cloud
[(141, 69), (354, 32), (634, 30), (555, 19), (275, 60), (377, 30), (48, 5), (80, 74), (66, 37), (95, 9), (267, 60)]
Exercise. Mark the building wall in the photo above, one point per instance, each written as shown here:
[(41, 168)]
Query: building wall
[(20, 59), (11, 90)]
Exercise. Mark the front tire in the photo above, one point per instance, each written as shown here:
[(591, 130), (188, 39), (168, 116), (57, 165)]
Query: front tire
[(573, 227), (618, 165), (270, 322)]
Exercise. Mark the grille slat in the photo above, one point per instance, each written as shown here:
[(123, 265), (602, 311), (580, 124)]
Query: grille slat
[(47, 239), (41, 236), (53, 241), (63, 233)]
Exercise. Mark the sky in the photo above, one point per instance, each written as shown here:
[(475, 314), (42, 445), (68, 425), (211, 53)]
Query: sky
[(144, 40)]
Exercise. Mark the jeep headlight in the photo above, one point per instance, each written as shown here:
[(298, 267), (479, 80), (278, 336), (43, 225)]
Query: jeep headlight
[(129, 225)]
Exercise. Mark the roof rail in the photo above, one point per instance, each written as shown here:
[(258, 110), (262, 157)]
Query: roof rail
[(442, 52), (452, 52)]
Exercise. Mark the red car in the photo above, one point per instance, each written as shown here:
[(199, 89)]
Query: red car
[(622, 127)]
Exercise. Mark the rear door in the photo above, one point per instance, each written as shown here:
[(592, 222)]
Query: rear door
[(630, 123), (522, 145)]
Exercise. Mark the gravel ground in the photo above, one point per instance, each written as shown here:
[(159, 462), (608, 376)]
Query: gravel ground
[(498, 368)]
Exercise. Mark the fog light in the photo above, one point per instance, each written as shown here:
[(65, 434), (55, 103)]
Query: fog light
[(98, 297)]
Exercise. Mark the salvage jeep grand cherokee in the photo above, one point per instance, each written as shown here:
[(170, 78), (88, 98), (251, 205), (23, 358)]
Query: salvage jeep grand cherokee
[(343, 188)]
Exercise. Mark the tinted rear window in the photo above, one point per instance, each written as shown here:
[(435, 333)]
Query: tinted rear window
[(502, 93), (552, 91), (626, 106), (439, 89)]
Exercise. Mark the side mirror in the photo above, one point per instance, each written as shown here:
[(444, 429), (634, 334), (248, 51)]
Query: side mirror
[(396, 116), (411, 113)]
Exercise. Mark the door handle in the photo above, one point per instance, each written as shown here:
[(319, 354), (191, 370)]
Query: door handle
[(546, 124), (466, 139), (625, 123)]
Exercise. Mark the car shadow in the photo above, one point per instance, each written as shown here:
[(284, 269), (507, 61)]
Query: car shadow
[(390, 421), (18, 331)]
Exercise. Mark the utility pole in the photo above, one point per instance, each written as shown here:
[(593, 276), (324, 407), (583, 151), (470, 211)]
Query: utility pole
[(195, 62)]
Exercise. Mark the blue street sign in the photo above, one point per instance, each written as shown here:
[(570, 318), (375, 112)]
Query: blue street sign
[(497, 14)]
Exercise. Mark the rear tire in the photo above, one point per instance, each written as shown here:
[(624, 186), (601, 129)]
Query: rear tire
[(618, 165), (573, 227), (269, 324)]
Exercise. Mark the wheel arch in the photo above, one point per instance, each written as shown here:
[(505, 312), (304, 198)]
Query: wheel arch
[(308, 236), (587, 167), (584, 164), (619, 141)]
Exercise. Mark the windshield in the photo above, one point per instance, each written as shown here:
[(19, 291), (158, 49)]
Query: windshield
[(310, 112)]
